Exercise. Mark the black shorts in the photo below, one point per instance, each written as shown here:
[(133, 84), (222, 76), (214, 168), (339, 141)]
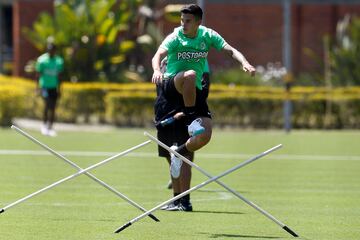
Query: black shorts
[(168, 102), (50, 96)]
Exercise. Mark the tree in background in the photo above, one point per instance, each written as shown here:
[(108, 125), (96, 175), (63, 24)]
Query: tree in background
[(345, 53), (341, 60), (97, 38)]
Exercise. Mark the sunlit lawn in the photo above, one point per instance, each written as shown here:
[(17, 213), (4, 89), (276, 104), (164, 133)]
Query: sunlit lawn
[(312, 185)]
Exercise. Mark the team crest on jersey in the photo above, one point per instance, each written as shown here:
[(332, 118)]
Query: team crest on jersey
[(202, 46)]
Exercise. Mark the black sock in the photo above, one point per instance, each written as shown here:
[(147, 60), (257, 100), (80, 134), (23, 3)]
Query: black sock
[(183, 150), (185, 199), (176, 202), (190, 114)]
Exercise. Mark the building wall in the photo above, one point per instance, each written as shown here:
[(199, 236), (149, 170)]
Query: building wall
[(255, 29), (313, 22), (25, 12)]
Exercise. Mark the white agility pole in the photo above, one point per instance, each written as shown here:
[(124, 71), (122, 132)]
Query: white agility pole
[(212, 179), (33, 139), (268, 215), (75, 175)]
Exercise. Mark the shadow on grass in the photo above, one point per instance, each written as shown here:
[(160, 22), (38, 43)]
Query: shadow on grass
[(83, 219), (224, 235), (218, 212), (221, 191)]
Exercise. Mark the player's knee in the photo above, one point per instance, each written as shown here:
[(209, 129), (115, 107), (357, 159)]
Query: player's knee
[(197, 142), (205, 138), (190, 76)]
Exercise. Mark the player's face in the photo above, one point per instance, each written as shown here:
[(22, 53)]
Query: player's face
[(190, 24), (52, 52)]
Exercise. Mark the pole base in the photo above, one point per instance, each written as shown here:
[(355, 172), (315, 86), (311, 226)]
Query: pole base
[(290, 231), (154, 218), (123, 227)]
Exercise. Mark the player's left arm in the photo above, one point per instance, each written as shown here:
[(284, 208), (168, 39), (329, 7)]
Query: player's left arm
[(60, 75), (59, 87), (238, 56)]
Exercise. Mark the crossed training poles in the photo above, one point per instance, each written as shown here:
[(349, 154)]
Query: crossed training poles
[(149, 212), (81, 171), (211, 179)]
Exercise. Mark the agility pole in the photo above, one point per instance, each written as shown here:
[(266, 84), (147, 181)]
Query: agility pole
[(212, 179), (75, 175), (256, 207), (116, 192)]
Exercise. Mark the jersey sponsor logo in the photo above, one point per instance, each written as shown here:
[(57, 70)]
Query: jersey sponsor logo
[(191, 55), (50, 72)]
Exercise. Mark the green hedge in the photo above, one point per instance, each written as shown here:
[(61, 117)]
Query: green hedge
[(11, 104), (269, 113), (129, 109), (132, 104)]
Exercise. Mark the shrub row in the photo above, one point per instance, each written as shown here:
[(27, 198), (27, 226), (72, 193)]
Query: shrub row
[(132, 104)]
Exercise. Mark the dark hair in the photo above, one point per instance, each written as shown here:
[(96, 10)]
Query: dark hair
[(50, 46), (192, 9)]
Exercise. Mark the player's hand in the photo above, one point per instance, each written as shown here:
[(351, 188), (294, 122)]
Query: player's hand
[(247, 67), (157, 77)]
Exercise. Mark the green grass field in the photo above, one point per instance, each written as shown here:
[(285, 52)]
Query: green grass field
[(312, 185)]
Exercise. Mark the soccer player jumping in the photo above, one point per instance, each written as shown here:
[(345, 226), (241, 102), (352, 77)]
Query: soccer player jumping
[(186, 49)]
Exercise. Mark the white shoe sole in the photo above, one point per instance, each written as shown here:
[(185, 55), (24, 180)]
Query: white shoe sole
[(175, 167), (195, 128)]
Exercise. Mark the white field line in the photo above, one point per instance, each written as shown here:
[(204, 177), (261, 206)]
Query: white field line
[(200, 155), (220, 196)]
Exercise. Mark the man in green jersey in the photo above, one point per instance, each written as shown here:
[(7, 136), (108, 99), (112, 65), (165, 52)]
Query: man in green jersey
[(49, 66), (172, 130), (187, 49)]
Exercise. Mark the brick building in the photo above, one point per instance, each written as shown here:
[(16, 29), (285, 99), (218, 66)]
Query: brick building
[(22, 13), (256, 27)]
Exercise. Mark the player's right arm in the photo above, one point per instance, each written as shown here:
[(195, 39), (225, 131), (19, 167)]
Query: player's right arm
[(156, 61), (167, 46), (38, 69)]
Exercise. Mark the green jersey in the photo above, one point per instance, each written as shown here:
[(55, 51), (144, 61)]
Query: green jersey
[(206, 67), (190, 53), (49, 69)]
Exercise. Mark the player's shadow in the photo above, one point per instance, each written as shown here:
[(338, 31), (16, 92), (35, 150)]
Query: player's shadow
[(216, 212), (224, 235), (220, 191)]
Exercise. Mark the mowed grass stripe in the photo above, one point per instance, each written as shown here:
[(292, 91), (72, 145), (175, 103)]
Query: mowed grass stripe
[(316, 198), (201, 155)]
